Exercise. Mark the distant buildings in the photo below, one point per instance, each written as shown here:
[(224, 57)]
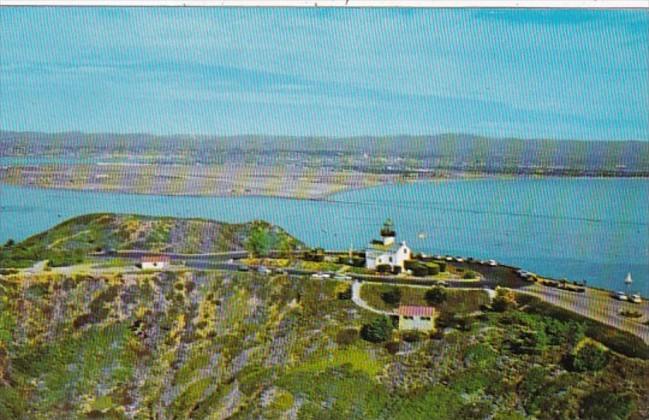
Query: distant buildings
[(420, 318), (386, 252), (159, 262)]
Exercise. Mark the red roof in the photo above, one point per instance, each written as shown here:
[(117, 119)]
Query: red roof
[(155, 258), (416, 310)]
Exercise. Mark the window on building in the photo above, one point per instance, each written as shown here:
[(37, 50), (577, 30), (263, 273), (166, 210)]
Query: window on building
[(425, 318)]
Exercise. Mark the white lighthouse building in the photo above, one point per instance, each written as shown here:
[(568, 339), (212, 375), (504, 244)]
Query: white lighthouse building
[(386, 251)]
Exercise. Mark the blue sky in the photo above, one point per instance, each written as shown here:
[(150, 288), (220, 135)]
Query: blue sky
[(330, 72)]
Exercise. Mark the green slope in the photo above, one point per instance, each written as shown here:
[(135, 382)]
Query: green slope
[(72, 240)]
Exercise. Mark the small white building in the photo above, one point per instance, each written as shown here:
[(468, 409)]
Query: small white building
[(419, 318), (157, 262), (386, 251)]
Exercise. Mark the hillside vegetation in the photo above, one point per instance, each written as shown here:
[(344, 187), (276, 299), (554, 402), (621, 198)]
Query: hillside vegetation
[(70, 241), (208, 344)]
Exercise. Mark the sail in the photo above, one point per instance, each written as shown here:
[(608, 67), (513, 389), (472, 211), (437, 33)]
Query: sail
[(628, 279)]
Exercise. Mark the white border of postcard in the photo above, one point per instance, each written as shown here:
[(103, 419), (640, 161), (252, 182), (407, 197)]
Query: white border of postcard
[(588, 4)]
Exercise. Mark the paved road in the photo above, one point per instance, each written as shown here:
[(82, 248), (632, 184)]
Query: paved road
[(594, 304), (358, 300)]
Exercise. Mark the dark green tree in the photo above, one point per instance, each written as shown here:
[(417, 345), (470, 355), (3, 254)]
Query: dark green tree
[(377, 331), (259, 242), (436, 295), (392, 296)]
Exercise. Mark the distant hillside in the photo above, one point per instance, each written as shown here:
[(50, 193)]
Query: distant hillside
[(454, 151), (74, 238)]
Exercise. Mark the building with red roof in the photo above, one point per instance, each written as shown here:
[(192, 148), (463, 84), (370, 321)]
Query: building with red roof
[(420, 318), (155, 262)]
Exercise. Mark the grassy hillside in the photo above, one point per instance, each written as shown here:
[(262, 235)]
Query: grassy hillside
[(71, 240), (241, 345)]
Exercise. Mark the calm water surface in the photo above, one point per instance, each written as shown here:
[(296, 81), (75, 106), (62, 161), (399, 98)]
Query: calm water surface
[(592, 229)]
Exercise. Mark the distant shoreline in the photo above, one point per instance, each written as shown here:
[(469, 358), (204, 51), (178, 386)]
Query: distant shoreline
[(313, 189)]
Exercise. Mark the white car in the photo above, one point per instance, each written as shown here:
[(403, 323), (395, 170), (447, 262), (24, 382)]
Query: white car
[(449, 258), (342, 277), (492, 263), (635, 298), (320, 276), (620, 296), (459, 259), (264, 270)]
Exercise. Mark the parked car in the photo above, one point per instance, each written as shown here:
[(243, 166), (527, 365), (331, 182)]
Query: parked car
[(635, 298), (264, 270), (620, 296), (449, 258), (492, 263), (459, 259), (320, 276), (342, 277)]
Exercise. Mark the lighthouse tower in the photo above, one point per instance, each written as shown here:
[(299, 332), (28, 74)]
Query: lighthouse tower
[(387, 232)]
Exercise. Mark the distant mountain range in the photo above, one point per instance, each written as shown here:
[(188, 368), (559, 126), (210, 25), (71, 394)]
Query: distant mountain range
[(460, 152)]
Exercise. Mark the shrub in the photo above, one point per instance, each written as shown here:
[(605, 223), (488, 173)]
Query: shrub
[(344, 291), (392, 347), (418, 268), (433, 269), (436, 295), (392, 296), (606, 404), (469, 275), (347, 336), (505, 299), (353, 261), (378, 330), (590, 357), (528, 340), (441, 265), (383, 268), (411, 336), (314, 255), (409, 264)]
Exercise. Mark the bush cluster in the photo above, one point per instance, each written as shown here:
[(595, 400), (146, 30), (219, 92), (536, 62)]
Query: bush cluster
[(377, 331), (314, 255), (436, 295), (421, 269), (353, 261), (590, 357), (392, 296)]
